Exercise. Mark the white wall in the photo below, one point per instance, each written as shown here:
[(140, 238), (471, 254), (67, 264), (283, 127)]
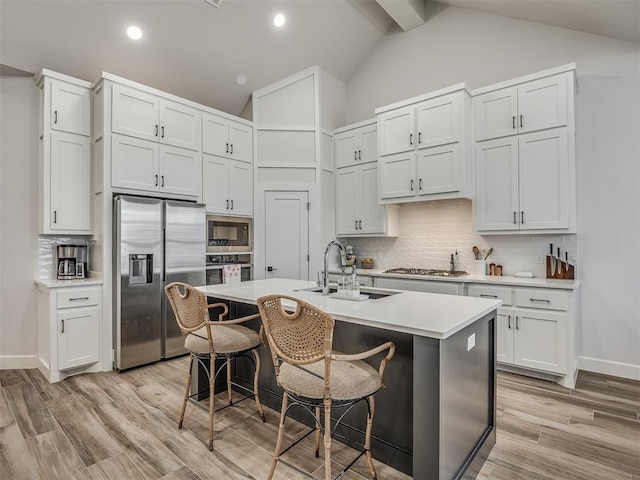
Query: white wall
[(18, 222), (461, 45)]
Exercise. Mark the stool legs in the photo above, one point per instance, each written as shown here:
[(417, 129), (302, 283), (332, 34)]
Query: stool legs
[(255, 384), (212, 368), (327, 439), (229, 392), (186, 393), (276, 455), (367, 439), (317, 432)]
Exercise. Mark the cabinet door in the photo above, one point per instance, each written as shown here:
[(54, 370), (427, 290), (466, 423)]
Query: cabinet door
[(496, 114), (439, 121), (496, 204), (215, 135), (78, 337), (541, 340), (368, 144), (397, 176), (544, 180), (240, 142), (347, 201), (371, 212), (439, 169), (240, 188), (215, 184), (542, 104), (180, 171), (395, 130), (70, 108), (505, 326), (179, 125), (70, 182), (135, 113), (134, 164), (346, 148)]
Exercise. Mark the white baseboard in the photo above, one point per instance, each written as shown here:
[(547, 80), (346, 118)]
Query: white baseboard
[(607, 367), (14, 362)]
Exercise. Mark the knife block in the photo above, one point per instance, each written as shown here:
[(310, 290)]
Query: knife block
[(563, 270)]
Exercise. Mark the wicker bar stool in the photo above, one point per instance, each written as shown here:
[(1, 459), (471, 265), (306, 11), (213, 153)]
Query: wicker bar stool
[(312, 376), (210, 340)]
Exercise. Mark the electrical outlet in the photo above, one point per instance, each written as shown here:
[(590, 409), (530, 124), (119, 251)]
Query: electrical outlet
[(540, 258), (471, 341)]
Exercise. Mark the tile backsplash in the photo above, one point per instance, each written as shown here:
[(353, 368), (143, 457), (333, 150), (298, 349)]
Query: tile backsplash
[(429, 232)]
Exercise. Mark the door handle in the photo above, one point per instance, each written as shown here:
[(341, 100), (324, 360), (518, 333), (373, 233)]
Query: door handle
[(227, 204), (515, 218), (522, 217), (271, 269), (419, 137), (355, 155), (55, 216), (513, 122), (356, 222)]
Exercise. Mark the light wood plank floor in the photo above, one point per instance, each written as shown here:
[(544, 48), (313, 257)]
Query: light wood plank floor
[(123, 426)]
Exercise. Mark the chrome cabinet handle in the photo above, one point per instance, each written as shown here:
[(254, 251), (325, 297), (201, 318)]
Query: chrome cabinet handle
[(411, 139), (522, 217), (521, 123), (55, 116), (412, 184), (156, 130), (356, 222), (163, 131), (484, 295), (542, 300), (62, 326), (78, 299), (509, 321)]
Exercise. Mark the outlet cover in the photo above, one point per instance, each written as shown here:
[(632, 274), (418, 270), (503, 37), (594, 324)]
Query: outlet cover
[(471, 341)]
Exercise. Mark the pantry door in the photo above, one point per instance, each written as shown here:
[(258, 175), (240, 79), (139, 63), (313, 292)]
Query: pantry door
[(287, 235)]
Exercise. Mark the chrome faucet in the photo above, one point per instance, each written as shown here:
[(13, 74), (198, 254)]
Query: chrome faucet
[(325, 273)]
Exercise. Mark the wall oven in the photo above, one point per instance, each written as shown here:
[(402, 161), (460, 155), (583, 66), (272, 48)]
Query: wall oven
[(229, 234)]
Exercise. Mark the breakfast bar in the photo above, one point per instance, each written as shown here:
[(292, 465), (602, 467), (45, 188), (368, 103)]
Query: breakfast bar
[(436, 417)]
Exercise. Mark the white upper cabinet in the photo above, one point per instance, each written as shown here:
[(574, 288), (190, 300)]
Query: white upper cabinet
[(146, 116), (227, 138), (70, 108), (525, 154), (424, 147), (227, 186), (356, 145), (64, 155), (534, 105)]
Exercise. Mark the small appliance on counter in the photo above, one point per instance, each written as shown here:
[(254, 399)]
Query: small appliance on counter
[(72, 262)]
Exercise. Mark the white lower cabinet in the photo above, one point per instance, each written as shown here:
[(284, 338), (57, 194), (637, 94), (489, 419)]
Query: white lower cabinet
[(535, 329), (445, 287), (69, 326)]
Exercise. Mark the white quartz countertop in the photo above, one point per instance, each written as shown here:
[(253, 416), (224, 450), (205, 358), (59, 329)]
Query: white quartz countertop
[(488, 279), (417, 313), (81, 282)]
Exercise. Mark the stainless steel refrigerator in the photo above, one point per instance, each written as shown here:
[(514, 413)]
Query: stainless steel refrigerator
[(155, 242)]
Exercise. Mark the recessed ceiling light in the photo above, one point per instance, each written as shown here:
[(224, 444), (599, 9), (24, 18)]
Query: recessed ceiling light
[(241, 80), (134, 32), (278, 20)]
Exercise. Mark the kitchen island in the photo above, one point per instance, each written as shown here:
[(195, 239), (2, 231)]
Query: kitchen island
[(436, 418)]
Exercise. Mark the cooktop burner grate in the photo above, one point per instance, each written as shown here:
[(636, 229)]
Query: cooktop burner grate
[(426, 271)]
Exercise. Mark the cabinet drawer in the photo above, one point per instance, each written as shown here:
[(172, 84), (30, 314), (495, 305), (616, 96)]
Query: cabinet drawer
[(542, 298), (489, 291), (78, 297)]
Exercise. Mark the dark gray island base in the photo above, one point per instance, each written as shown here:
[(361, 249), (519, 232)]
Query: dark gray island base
[(435, 420)]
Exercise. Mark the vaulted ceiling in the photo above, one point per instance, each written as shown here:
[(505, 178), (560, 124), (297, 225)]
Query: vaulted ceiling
[(194, 50)]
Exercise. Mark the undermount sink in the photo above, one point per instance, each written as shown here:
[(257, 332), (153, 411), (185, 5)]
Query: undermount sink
[(373, 294)]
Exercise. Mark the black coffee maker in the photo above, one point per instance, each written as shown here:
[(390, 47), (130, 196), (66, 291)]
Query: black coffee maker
[(66, 262)]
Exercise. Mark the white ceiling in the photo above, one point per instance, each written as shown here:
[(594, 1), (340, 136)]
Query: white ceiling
[(194, 50)]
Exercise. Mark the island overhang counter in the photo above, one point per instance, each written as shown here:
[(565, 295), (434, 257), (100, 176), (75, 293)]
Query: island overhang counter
[(436, 418)]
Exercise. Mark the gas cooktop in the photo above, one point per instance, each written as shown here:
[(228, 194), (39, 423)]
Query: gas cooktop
[(426, 271)]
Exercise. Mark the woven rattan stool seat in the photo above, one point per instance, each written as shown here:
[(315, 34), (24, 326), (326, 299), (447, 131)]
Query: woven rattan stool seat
[(225, 338)]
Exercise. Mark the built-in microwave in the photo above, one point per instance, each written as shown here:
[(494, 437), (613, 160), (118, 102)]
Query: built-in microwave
[(229, 234)]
